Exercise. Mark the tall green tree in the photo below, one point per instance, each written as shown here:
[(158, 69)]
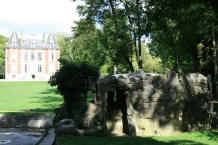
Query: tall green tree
[(112, 20), (137, 20), (64, 42), (83, 45), (183, 34), (3, 41)]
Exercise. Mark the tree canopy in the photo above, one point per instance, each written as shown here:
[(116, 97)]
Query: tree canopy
[(183, 36), (3, 41)]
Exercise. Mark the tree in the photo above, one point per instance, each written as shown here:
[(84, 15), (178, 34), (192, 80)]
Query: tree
[(64, 42), (3, 41), (83, 45), (137, 20), (183, 34), (73, 81), (116, 36)]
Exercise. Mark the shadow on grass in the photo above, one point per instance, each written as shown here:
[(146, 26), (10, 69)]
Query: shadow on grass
[(120, 141), (50, 91), (48, 102), (213, 135)]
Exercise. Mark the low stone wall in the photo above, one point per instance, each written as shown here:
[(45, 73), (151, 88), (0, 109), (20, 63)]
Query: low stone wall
[(26, 121), (154, 104)]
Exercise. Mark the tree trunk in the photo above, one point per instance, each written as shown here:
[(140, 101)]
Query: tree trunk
[(216, 72), (118, 33), (176, 64), (140, 52), (135, 45), (194, 53), (114, 17), (195, 59), (164, 67), (139, 34), (134, 32), (215, 80), (130, 64)]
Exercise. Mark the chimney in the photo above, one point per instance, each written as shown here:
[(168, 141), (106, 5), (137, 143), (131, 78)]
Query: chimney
[(21, 37), (43, 37)]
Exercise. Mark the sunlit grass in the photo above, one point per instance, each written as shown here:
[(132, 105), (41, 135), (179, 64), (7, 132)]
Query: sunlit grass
[(28, 97)]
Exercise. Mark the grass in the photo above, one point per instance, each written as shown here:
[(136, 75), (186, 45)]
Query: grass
[(194, 138), (28, 97)]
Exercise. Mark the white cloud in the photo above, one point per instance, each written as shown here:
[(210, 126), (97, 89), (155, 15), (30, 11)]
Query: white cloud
[(55, 13), (4, 31)]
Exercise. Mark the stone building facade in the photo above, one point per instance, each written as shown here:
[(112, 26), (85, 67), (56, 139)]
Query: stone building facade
[(31, 59)]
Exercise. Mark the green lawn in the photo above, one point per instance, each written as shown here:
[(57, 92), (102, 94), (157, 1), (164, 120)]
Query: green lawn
[(28, 97), (194, 138)]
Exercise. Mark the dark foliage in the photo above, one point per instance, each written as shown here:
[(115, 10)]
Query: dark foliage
[(73, 81)]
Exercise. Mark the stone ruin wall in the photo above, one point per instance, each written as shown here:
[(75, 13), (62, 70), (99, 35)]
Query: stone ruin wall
[(26, 121), (153, 104)]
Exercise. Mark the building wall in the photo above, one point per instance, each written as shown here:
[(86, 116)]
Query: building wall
[(16, 61)]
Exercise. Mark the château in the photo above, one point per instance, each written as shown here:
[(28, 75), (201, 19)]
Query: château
[(31, 59)]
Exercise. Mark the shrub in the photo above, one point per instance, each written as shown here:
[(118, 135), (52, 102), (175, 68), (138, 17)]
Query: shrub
[(73, 81), (1, 76)]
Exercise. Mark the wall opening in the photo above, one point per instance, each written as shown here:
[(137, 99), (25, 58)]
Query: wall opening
[(33, 76), (112, 107), (121, 99)]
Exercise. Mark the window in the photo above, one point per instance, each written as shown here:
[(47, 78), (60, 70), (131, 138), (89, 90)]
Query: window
[(51, 44), (26, 56), (39, 68), (33, 44), (14, 54), (14, 68), (39, 56), (52, 56), (32, 56), (13, 43), (26, 68)]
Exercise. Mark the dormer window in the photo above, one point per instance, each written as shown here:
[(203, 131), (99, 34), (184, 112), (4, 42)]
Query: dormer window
[(51, 44), (33, 44), (13, 43)]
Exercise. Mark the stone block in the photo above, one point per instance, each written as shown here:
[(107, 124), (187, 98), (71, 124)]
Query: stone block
[(159, 80), (107, 80), (123, 82), (39, 123), (136, 83), (65, 127), (151, 127), (25, 121), (107, 87), (89, 120), (147, 81), (115, 126)]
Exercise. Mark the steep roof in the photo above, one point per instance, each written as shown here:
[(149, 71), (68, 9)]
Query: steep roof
[(27, 43), (51, 38), (14, 38)]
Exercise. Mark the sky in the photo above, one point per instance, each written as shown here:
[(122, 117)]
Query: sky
[(35, 17)]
